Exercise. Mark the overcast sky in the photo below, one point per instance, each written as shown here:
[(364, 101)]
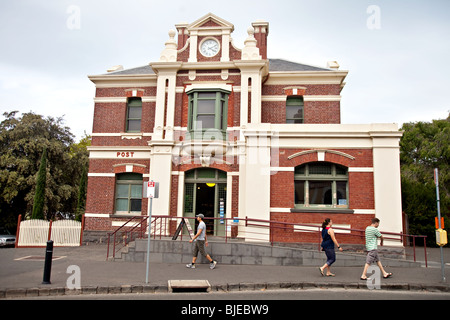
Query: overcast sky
[(397, 51)]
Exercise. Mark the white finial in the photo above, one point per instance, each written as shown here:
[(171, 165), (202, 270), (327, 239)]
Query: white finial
[(250, 50), (169, 54)]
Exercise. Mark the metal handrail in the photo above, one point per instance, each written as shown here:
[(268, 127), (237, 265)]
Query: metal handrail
[(400, 238), (127, 235), (163, 230)]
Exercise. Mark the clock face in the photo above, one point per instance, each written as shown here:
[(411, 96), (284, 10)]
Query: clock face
[(209, 48)]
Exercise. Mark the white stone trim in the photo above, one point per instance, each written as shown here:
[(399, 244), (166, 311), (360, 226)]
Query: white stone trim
[(364, 211), (123, 99), (99, 174), (360, 169), (284, 210), (96, 215), (212, 85), (315, 227), (282, 169), (271, 98)]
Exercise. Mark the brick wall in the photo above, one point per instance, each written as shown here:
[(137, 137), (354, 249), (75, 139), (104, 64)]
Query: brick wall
[(110, 117), (322, 112), (100, 195), (310, 89), (282, 190), (314, 112)]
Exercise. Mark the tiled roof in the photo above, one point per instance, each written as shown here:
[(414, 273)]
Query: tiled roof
[(284, 65), (138, 70), (274, 65)]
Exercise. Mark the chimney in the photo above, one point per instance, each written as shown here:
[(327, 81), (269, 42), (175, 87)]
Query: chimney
[(261, 28), (182, 34)]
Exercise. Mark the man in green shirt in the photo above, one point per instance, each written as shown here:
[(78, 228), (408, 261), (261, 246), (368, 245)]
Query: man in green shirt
[(372, 235)]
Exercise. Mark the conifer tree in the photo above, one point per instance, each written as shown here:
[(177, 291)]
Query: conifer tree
[(81, 205), (39, 196)]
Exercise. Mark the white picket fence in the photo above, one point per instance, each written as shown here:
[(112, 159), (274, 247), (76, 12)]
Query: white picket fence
[(66, 233), (33, 233), (36, 233)]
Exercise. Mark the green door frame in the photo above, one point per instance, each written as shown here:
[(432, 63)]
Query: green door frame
[(205, 175)]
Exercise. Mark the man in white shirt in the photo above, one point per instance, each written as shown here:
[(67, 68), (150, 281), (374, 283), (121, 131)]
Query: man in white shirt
[(199, 244)]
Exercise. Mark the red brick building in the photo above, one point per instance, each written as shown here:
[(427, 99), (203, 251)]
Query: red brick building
[(228, 132)]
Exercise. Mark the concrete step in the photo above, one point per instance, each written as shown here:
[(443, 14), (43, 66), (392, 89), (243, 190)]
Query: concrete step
[(169, 251)]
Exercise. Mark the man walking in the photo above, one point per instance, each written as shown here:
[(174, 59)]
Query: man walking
[(372, 235), (199, 244)]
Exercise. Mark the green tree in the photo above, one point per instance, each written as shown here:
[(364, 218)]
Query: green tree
[(39, 195), (79, 152), (22, 139), (423, 147), (81, 204)]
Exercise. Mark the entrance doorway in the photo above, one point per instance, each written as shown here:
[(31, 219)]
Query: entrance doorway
[(205, 192), (204, 203)]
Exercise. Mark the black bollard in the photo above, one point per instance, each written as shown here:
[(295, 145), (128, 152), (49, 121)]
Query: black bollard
[(48, 262)]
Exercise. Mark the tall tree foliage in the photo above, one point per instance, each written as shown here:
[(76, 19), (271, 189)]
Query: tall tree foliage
[(81, 204), (22, 141), (423, 147), (39, 195)]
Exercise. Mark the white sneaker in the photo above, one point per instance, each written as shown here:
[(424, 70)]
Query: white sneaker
[(190, 265), (212, 265)]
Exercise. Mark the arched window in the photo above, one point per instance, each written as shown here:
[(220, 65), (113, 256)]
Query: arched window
[(128, 193), (321, 184)]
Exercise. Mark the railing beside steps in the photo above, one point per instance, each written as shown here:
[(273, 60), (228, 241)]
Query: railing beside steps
[(254, 230), (134, 228)]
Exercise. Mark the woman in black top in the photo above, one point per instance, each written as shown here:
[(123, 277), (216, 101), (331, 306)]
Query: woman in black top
[(328, 242)]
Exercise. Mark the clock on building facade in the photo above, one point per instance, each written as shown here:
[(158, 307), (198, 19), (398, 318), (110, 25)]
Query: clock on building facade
[(209, 47)]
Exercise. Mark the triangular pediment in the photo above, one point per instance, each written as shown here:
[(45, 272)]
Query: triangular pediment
[(210, 21)]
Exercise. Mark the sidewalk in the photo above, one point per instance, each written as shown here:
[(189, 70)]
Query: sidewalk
[(23, 277)]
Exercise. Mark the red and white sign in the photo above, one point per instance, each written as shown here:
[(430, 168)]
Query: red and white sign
[(152, 189)]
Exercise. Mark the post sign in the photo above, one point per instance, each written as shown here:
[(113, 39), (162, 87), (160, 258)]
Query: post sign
[(151, 189)]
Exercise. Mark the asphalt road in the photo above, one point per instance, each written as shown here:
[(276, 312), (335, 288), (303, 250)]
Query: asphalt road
[(309, 294), (270, 304)]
